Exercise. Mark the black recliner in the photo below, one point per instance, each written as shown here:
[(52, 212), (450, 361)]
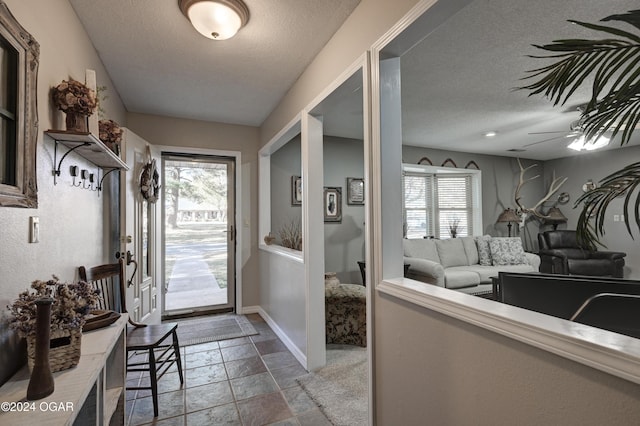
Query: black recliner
[(560, 253)]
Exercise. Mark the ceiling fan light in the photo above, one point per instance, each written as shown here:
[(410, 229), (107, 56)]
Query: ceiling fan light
[(215, 19), (581, 143)]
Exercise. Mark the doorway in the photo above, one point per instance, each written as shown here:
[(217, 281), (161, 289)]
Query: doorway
[(198, 225)]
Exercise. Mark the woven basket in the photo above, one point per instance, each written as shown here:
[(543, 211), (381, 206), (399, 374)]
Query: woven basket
[(64, 349)]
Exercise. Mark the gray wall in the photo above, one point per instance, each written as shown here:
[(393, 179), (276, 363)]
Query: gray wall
[(433, 369), (344, 242), (285, 163), (72, 226), (499, 179), (179, 132), (595, 166)]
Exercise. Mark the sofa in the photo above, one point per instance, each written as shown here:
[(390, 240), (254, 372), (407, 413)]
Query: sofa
[(560, 253), (466, 264)]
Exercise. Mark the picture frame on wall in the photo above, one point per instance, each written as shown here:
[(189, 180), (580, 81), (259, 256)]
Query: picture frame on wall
[(332, 204), (296, 191), (355, 191)]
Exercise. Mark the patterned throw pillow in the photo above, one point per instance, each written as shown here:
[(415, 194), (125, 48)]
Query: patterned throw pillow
[(484, 253), (507, 251)]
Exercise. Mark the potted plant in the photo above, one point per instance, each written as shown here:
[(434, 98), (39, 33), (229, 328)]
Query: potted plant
[(77, 101), (611, 66), (71, 303)]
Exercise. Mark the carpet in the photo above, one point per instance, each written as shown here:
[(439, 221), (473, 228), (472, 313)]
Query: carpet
[(213, 328), (340, 389)]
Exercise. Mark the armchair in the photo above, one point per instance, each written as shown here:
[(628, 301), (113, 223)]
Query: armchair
[(560, 253)]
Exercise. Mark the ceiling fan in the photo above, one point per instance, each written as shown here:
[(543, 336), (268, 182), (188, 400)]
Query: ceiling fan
[(575, 132)]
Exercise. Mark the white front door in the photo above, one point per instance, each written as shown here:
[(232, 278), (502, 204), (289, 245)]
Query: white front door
[(138, 238)]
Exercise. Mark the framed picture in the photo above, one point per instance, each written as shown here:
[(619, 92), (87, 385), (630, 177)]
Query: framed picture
[(332, 204), (355, 191), (296, 191)]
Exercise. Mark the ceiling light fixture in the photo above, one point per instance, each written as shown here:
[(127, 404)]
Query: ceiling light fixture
[(215, 19), (490, 134), (581, 143)]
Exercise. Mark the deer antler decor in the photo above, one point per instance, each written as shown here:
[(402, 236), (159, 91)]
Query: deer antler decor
[(556, 183)]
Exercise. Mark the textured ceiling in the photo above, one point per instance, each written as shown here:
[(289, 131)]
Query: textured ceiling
[(457, 84), (161, 65)]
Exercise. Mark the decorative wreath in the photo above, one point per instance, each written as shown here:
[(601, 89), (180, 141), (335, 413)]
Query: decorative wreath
[(149, 182)]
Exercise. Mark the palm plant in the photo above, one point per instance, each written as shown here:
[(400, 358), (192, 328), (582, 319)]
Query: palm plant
[(613, 65)]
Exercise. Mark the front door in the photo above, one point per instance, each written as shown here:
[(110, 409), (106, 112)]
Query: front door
[(199, 234), (138, 238)]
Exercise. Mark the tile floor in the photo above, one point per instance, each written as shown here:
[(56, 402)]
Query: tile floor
[(244, 381)]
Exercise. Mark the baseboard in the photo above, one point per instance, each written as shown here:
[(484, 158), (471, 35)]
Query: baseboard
[(297, 353), (250, 310)]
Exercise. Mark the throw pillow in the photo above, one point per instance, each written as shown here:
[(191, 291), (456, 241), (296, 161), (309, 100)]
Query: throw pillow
[(484, 253), (507, 251), (470, 249), (451, 252)]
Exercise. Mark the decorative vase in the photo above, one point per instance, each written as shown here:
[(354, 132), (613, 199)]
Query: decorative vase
[(76, 122), (41, 381)]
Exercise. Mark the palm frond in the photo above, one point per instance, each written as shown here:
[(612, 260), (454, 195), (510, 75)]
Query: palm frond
[(594, 203), (613, 63)]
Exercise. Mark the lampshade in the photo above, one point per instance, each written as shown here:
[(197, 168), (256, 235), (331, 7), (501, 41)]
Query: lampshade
[(554, 215), (508, 215), (215, 19)]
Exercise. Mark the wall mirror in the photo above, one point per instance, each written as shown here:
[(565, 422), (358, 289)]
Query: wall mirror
[(19, 53)]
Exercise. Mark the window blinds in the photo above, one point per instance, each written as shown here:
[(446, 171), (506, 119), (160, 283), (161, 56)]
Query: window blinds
[(434, 204)]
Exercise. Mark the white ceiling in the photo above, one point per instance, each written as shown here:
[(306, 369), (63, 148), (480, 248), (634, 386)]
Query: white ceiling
[(457, 83), (161, 65)]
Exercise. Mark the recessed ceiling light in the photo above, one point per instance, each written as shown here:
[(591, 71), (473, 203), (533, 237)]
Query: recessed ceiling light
[(490, 134)]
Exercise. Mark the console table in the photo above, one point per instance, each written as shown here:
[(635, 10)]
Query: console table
[(90, 393)]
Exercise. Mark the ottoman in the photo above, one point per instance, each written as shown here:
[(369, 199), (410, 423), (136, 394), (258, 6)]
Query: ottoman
[(346, 314)]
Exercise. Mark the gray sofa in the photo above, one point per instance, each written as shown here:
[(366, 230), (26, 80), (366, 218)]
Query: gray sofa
[(466, 264)]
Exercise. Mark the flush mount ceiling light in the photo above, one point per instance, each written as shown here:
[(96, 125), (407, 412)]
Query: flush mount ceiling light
[(215, 19), (589, 145), (490, 134)]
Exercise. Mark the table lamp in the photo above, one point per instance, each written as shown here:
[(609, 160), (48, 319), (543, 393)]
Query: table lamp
[(555, 217), (508, 215)]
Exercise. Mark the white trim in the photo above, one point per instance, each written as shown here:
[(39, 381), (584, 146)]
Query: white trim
[(409, 18), (292, 129), (609, 352), (357, 65), (313, 238), (288, 132), (237, 155), (297, 353), (291, 254)]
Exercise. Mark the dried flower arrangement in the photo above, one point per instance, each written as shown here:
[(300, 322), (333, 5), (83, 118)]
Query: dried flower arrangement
[(453, 227), (74, 97), (111, 134), (72, 302), (291, 235)]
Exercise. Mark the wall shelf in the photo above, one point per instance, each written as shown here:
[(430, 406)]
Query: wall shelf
[(88, 146)]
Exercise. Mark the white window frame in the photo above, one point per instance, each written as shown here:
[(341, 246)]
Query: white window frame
[(476, 194)]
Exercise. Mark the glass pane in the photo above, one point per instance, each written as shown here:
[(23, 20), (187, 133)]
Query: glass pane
[(417, 221), (196, 234), (144, 224)]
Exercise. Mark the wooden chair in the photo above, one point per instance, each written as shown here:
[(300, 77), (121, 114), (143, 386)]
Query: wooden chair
[(158, 342)]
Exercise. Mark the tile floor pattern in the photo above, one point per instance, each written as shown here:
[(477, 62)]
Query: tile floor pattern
[(243, 381)]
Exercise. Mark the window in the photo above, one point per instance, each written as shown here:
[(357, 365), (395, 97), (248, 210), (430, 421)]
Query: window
[(440, 202), (8, 108), (19, 54)]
